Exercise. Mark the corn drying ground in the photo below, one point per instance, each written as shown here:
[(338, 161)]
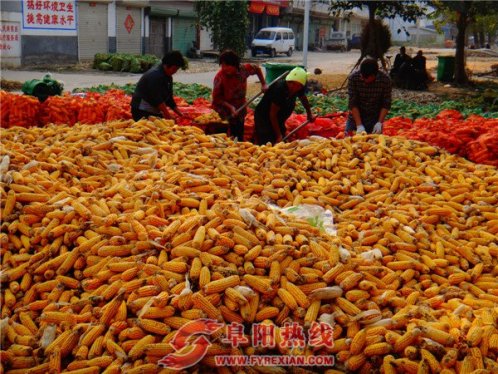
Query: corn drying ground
[(114, 236)]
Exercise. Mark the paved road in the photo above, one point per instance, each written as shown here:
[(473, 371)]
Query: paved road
[(328, 62)]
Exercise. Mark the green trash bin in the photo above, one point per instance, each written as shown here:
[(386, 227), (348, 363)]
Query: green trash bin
[(274, 70), (445, 68)]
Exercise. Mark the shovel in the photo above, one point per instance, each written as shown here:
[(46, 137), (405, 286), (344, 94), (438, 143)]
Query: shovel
[(331, 115), (255, 97)]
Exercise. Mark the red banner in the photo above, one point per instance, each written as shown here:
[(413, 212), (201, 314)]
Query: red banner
[(272, 10), (256, 7)]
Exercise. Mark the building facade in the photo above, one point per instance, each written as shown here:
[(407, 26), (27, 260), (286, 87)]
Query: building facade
[(70, 31), (321, 24)]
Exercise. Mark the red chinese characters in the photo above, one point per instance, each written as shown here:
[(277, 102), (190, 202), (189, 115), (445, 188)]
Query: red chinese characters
[(263, 335), (321, 335), (235, 335), (292, 335), (46, 14)]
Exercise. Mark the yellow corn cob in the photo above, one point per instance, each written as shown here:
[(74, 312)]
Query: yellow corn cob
[(70, 342), (268, 312), (195, 268), (298, 295), (287, 298), (220, 285), (377, 349), (493, 341), (347, 307), (58, 317), (387, 365), (111, 309), (236, 296), (97, 347), (437, 335), (431, 360), (330, 275), (199, 237), (114, 349), (230, 316), (350, 281), (257, 283), (152, 326), (450, 358), (248, 311), (158, 313), (28, 322), (142, 369), (312, 313), (358, 342), (101, 362), (202, 303), (204, 277), (91, 334), (467, 365), (474, 336), (356, 362), (406, 339), (193, 314), (138, 349), (189, 202), (184, 251)]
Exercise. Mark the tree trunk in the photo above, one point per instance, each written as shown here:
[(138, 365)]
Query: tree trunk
[(491, 39), (460, 73), (371, 12), (482, 39), (476, 39)]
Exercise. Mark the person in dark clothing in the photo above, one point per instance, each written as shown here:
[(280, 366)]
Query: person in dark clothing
[(399, 60), (154, 91), (369, 93), (230, 88), (419, 63), (277, 105)]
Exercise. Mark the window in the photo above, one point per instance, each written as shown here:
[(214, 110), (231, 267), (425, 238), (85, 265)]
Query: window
[(267, 35), (279, 36), (286, 36), (291, 35)]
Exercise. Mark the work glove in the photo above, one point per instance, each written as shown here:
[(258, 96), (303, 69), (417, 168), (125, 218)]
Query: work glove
[(360, 129), (377, 128)]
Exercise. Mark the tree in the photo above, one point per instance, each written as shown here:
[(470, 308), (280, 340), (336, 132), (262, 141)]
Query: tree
[(463, 13), (228, 22), (485, 28), (407, 10)]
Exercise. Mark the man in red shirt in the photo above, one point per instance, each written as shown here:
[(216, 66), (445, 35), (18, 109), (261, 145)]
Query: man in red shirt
[(230, 88)]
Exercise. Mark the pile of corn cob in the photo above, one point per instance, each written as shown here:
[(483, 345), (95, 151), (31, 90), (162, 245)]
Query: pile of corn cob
[(114, 236)]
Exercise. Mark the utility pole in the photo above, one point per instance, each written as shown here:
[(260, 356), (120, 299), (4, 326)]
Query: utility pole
[(418, 32), (307, 5)]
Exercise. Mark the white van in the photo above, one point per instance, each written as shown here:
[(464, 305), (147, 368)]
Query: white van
[(273, 40)]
